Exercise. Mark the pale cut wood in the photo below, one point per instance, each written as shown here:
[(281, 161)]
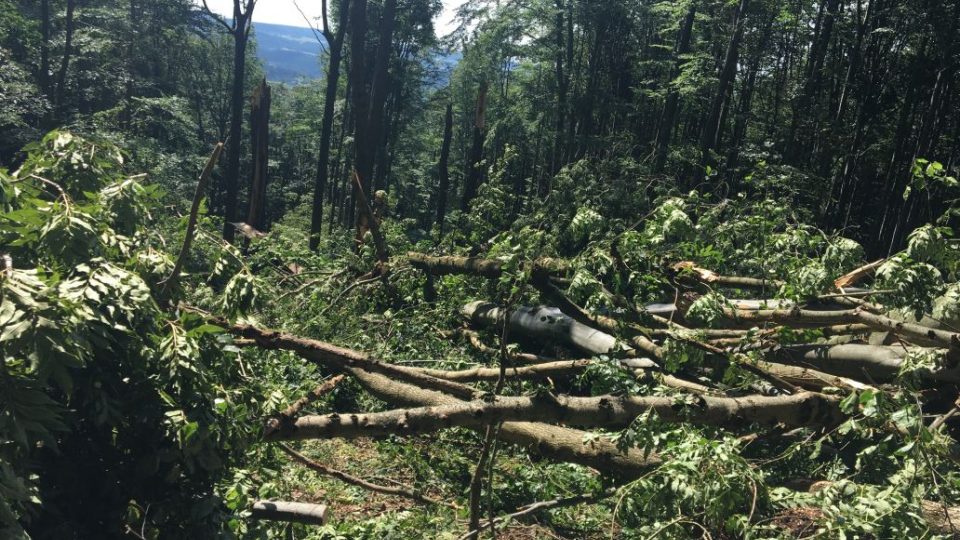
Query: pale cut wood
[(291, 512)]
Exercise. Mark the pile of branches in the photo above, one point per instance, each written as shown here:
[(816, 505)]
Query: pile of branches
[(860, 348)]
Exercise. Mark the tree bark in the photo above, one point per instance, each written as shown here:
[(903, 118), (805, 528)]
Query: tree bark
[(44, 77), (712, 127), (259, 145), (360, 98), (326, 127), (240, 31), (806, 409), (558, 443), (67, 53), (562, 88), (814, 72), (474, 174), (443, 167), (369, 140)]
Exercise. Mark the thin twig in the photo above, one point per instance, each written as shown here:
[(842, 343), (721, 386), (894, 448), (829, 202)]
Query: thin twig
[(286, 418), (359, 482)]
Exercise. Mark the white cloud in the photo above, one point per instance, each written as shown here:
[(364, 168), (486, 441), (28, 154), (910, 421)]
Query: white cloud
[(285, 12)]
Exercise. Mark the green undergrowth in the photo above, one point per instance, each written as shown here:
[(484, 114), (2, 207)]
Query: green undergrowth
[(102, 363)]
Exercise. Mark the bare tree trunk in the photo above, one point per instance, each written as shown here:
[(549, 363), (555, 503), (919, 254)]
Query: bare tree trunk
[(368, 140), (240, 30), (45, 47), (474, 173), (443, 167), (814, 72), (669, 116), (359, 95), (259, 145), (326, 128), (562, 89), (713, 126), (67, 53)]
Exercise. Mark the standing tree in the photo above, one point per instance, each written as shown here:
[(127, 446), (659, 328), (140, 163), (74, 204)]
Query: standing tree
[(259, 145), (672, 104), (475, 160), (67, 53), (335, 43), (443, 168), (710, 138), (368, 106), (238, 27)]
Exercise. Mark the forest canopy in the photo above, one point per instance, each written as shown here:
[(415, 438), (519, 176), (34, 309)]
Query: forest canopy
[(577, 269)]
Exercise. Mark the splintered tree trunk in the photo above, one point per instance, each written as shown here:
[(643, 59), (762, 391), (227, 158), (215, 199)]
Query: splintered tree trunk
[(444, 168), (474, 173), (326, 128), (713, 126), (259, 144), (672, 104)]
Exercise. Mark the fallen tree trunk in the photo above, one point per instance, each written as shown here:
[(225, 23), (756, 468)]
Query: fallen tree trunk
[(547, 324), (553, 442), (341, 358), (880, 363), (558, 443), (805, 409), (811, 379), (560, 368), (291, 512), (709, 277), (912, 332), (489, 268)]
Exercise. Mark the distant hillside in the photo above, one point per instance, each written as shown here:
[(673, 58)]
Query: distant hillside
[(288, 53), (291, 54)]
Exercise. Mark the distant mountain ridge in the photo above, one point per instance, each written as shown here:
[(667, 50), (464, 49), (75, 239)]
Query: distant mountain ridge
[(289, 53)]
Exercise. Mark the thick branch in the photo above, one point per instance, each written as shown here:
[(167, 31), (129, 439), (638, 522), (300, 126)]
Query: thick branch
[(709, 277), (804, 409), (194, 212), (915, 333), (285, 419), (489, 268), (340, 358), (854, 277), (880, 363), (554, 442)]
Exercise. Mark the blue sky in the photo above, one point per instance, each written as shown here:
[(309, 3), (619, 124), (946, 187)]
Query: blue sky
[(285, 11)]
